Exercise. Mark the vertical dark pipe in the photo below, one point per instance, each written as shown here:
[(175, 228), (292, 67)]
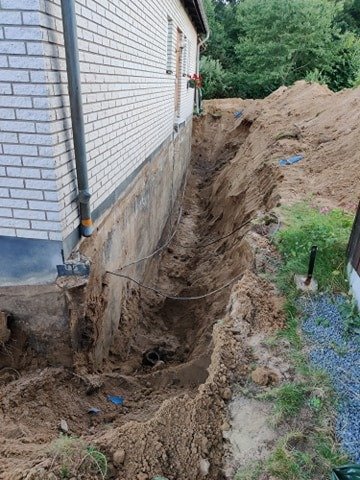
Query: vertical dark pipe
[(77, 117), (311, 265)]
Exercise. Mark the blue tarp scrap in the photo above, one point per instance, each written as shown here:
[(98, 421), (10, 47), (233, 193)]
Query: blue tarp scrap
[(116, 399), (238, 114), (284, 162)]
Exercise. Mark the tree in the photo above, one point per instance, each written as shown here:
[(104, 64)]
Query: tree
[(283, 41)]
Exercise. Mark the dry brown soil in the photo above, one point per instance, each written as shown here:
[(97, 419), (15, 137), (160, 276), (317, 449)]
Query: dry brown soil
[(175, 420)]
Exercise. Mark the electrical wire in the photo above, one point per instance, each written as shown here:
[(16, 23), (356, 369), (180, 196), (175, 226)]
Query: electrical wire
[(168, 241), (171, 297)]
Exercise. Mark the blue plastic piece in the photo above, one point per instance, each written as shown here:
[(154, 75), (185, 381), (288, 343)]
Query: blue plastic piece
[(116, 399), (289, 161), (238, 114)]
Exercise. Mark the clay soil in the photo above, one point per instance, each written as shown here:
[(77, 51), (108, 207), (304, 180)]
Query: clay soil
[(183, 357)]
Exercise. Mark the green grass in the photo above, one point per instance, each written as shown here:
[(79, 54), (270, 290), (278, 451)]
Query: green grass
[(305, 227), (73, 457)]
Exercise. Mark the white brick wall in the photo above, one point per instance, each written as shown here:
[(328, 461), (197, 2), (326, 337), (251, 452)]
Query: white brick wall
[(128, 103)]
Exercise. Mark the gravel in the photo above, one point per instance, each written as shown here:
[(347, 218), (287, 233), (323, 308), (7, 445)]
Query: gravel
[(338, 353)]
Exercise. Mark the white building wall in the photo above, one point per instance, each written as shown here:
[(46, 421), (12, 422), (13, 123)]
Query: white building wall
[(128, 103)]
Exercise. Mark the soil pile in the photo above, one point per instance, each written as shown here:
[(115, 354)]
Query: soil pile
[(305, 119)]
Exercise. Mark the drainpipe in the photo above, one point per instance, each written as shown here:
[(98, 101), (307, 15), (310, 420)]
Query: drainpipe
[(200, 44), (77, 117)]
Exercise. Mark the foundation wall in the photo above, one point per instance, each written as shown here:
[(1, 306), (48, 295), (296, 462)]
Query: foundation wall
[(74, 321)]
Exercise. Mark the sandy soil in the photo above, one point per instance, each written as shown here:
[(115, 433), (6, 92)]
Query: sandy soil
[(175, 421)]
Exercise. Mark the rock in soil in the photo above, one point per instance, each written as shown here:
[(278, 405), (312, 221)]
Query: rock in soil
[(265, 376)]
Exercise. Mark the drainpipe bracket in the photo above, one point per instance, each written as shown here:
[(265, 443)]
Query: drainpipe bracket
[(84, 196)]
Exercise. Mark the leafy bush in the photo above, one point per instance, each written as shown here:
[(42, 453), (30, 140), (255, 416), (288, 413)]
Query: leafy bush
[(214, 77)]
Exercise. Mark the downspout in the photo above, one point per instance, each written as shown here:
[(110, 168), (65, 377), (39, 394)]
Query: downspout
[(200, 44), (77, 117)]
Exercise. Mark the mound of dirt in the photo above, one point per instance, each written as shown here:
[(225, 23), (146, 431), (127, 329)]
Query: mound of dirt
[(305, 119)]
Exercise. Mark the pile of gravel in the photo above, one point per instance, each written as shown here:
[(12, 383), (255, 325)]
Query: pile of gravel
[(335, 350)]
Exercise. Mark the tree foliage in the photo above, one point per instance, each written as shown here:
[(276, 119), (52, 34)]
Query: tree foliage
[(258, 45)]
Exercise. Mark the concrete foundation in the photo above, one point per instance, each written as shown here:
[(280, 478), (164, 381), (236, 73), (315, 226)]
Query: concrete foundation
[(74, 320)]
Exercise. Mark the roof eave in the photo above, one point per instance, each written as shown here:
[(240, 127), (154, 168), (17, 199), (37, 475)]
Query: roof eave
[(196, 11)]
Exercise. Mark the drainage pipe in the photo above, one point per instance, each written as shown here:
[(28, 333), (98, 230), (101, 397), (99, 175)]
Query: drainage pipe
[(77, 117)]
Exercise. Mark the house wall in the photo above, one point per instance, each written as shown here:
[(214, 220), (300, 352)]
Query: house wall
[(75, 320), (128, 107)]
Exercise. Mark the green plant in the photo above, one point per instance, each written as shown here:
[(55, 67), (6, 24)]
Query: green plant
[(251, 472), (351, 315), (72, 457), (289, 398)]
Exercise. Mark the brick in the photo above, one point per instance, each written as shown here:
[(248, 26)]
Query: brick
[(48, 174), (35, 139), (32, 234), (7, 232), (55, 236), (52, 196), (45, 205), (10, 18), (7, 113), (46, 151), (17, 127), (32, 90), (23, 33), (12, 101), (29, 214), (4, 192), (20, 4), (14, 223), (38, 162), (41, 184), (14, 76), (6, 137), (20, 150), (5, 89), (9, 160), (12, 47), (11, 182), (34, 63), (23, 172), (5, 212), (43, 225), (26, 194), (13, 203), (53, 216), (3, 61), (35, 115)]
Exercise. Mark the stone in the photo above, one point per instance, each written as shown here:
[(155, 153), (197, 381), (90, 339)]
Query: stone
[(119, 456), (265, 376), (225, 426), (226, 394), (301, 285), (142, 476), (204, 467), (64, 427)]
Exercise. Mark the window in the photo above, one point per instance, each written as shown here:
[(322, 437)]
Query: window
[(185, 55), (170, 47)]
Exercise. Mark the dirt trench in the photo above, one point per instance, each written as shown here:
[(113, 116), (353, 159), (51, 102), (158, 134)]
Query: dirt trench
[(172, 361)]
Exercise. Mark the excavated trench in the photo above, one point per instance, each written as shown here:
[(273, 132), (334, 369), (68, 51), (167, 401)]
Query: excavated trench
[(171, 360)]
